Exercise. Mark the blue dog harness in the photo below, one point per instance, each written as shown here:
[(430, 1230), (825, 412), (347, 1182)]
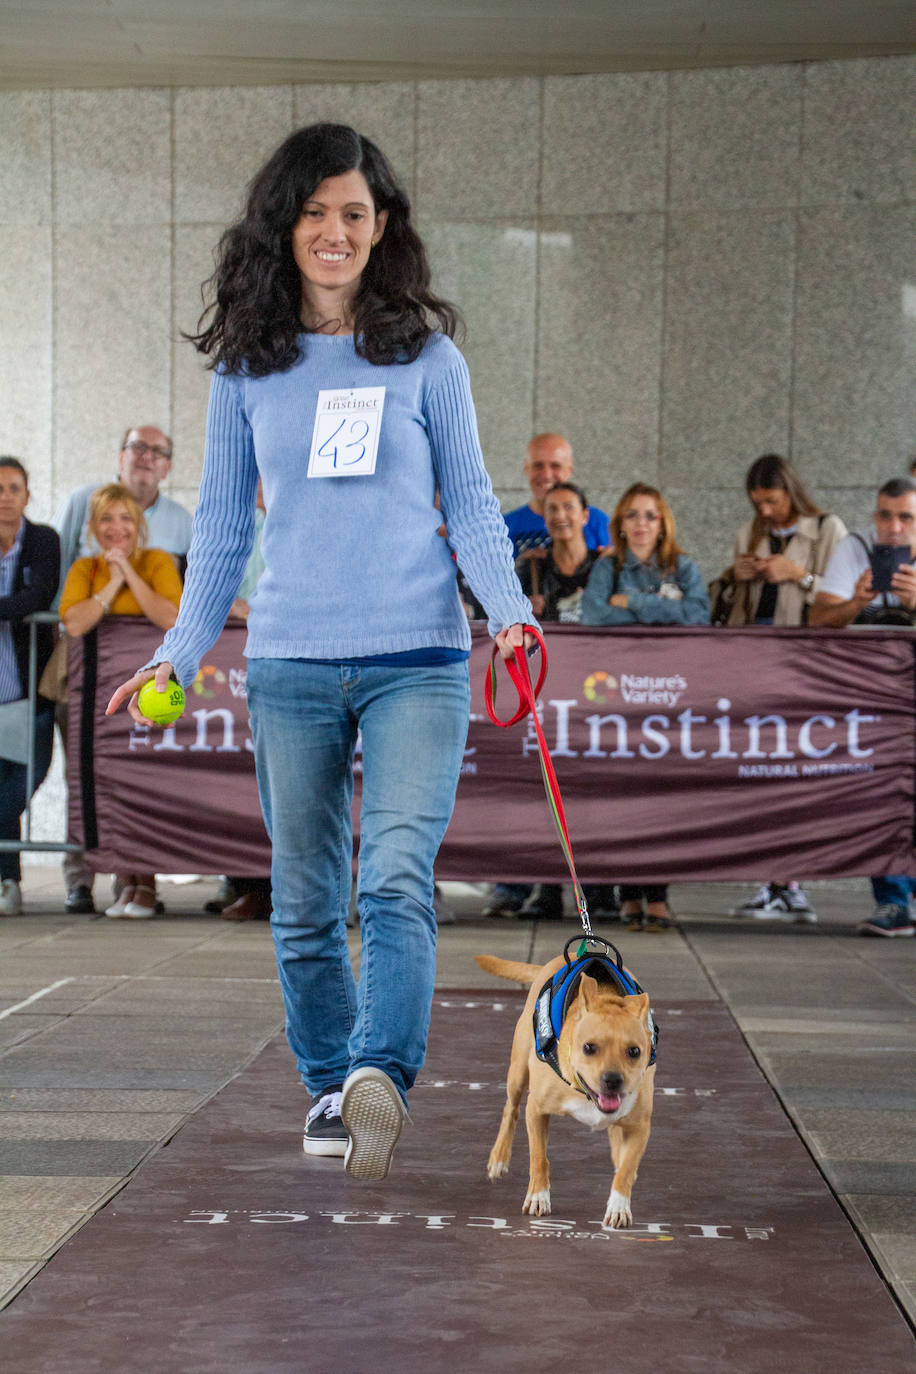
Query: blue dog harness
[(555, 997)]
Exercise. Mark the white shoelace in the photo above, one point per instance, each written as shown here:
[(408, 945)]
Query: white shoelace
[(327, 1105)]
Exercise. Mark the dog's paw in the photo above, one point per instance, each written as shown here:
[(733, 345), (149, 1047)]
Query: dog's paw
[(497, 1168), (618, 1214), (537, 1204)]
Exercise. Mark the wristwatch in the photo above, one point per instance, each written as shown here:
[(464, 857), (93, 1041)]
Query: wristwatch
[(806, 582)]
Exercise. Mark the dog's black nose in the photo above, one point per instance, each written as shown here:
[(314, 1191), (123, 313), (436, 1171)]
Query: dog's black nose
[(611, 1082)]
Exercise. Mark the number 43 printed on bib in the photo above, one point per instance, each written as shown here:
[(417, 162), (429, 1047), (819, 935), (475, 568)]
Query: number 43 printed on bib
[(345, 437)]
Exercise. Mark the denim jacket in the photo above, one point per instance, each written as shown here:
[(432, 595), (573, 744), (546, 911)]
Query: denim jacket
[(642, 584)]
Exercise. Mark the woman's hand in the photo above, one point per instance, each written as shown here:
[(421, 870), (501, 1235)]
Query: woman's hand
[(778, 568), (619, 599), (507, 641), (128, 691), (118, 562), (746, 568)]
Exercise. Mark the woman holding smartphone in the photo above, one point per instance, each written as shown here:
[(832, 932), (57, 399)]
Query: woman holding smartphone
[(780, 557)]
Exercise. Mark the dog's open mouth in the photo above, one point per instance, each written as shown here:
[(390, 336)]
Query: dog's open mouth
[(605, 1102)]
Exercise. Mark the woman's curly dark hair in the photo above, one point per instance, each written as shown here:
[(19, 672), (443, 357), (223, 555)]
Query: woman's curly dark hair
[(253, 318)]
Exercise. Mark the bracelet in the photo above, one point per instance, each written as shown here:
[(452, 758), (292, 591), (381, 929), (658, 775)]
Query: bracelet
[(104, 604)]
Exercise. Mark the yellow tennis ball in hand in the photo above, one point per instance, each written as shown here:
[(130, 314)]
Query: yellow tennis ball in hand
[(162, 708)]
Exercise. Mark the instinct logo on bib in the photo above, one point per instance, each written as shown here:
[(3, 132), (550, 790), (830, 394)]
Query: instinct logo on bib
[(345, 437)]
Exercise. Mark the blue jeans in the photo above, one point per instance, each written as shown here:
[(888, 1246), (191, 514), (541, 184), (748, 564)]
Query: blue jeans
[(12, 790), (893, 891), (414, 722)]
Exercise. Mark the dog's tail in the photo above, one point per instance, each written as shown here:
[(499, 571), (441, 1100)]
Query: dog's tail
[(509, 968)]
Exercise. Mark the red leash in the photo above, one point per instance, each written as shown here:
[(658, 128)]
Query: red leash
[(517, 668)]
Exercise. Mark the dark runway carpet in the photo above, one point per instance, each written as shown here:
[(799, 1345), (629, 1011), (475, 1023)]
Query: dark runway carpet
[(231, 1251)]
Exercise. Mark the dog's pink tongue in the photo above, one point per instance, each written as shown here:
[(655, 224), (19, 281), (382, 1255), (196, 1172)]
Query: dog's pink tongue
[(609, 1103)]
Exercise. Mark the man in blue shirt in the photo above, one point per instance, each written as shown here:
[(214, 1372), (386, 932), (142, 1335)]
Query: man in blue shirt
[(549, 460)]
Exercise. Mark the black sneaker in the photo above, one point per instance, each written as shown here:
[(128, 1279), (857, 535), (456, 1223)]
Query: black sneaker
[(325, 1133), (79, 901), (545, 905), (889, 920)]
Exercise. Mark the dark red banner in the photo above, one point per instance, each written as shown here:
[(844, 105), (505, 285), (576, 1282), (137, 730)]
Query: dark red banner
[(682, 754)]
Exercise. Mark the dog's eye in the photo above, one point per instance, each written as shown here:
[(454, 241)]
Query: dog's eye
[(634, 1052), (589, 1048)]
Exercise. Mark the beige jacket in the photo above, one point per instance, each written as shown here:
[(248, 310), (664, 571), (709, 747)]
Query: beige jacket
[(811, 546)]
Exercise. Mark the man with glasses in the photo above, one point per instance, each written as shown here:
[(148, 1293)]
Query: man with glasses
[(848, 595), (144, 462)]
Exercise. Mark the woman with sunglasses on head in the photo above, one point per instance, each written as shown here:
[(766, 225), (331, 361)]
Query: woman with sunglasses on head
[(780, 556), (646, 579), (337, 381)]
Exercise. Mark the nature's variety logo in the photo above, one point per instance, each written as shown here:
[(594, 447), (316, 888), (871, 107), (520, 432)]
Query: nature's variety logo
[(209, 680), (599, 686)]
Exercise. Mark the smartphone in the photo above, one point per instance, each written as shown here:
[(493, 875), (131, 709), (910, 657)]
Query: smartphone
[(885, 559)]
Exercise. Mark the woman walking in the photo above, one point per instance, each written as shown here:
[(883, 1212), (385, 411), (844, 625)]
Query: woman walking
[(333, 384)]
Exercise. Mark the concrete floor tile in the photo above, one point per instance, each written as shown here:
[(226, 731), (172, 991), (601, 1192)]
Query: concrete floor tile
[(22, 1027), (14, 1274), (885, 1137), (84, 1157), (90, 1077), (897, 1253), (832, 1026), (792, 1066), (906, 1294), (39, 1193), (852, 1176), (855, 1099), (122, 1043), (882, 1212), (223, 963), (90, 1100), (32, 1236), (88, 1125)]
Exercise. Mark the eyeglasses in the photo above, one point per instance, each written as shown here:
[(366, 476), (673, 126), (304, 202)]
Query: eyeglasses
[(138, 447), (649, 515)]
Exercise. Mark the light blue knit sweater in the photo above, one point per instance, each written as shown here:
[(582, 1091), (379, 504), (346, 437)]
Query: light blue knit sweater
[(353, 565)]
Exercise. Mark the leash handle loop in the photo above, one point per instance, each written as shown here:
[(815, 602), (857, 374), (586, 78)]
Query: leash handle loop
[(517, 668)]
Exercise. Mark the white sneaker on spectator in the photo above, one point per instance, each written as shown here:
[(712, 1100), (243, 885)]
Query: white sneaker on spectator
[(10, 898), (120, 904), (797, 905), (142, 906), (761, 904)]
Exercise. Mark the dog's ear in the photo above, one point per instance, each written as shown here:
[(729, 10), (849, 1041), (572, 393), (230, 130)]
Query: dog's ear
[(587, 992), (640, 1004)]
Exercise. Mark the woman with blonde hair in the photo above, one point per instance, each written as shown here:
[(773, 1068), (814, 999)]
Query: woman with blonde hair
[(646, 579), (123, 579)]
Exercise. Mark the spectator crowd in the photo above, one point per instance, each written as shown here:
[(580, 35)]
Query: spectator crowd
[(119, 549)]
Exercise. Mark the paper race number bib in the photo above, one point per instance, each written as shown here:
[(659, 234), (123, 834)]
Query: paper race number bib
[(345, 437)]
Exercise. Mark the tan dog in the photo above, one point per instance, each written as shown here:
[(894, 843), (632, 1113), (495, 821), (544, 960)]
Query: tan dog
[(603, 1053)]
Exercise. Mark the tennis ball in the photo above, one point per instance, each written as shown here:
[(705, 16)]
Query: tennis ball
[(162, 708)]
